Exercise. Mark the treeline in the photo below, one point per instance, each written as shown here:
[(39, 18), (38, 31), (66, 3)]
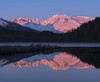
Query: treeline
[(87, 32), (7, 35)]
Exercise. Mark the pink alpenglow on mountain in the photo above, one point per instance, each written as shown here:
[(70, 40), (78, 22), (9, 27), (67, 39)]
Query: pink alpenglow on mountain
[(22, 21), (61, 23), (82, 19)]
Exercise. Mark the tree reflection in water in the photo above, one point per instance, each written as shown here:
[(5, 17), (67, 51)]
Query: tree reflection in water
[(79, 58)]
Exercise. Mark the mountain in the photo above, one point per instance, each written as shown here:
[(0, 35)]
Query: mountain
[(59, 61), (14, 26), (61, 23)]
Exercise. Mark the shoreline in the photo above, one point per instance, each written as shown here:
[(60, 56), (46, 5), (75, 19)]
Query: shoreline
[(6, 50), (27, 49), (51, 44)]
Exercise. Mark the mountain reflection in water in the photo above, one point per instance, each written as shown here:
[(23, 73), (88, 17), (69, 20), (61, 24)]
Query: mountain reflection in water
[(79, 58), (60, 61)]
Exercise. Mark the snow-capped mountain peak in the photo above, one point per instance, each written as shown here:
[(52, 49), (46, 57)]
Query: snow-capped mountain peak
[(54, 19), (22, 21), (61, 17), (62, 23)]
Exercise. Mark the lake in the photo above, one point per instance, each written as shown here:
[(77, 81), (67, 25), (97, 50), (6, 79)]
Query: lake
[(71, 65), (53, 44)]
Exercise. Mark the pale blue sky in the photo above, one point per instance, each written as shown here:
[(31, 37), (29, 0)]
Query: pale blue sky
[(44, 9)]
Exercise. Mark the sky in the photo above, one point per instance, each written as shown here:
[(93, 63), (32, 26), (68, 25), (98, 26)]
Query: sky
[(44, 9)]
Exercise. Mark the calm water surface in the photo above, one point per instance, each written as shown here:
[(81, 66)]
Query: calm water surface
[(60, 66), (54, 44)]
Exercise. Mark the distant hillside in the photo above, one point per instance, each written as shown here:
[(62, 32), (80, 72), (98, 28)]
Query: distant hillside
[(14, 26)]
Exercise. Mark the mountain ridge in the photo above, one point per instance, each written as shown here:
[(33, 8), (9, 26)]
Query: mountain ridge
[(14, 26), (61, 23)]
